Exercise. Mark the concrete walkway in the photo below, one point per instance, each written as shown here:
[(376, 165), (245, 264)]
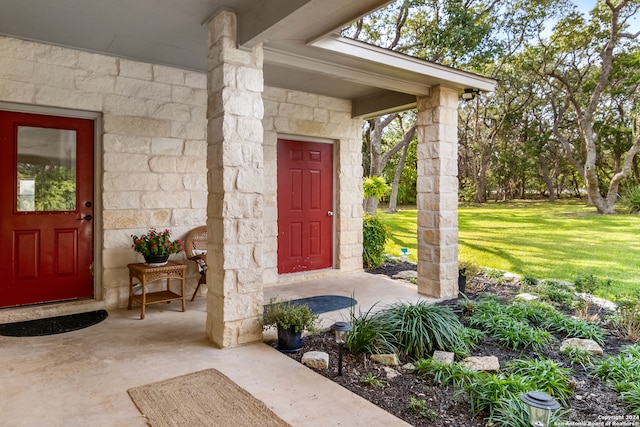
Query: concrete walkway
[(81, 378)]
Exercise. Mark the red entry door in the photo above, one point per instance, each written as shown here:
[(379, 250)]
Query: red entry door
[(305, 206), (46, 208)]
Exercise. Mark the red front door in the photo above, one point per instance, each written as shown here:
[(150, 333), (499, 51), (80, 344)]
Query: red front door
[(305, 206), (46, 208)]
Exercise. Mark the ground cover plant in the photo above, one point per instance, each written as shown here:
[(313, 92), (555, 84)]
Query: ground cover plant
[(515, 236), (430, 393)]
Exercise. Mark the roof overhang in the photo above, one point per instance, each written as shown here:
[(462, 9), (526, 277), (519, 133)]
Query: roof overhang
[(301, 50)]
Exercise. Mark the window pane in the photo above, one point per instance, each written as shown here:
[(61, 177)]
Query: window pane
[(46, 169)]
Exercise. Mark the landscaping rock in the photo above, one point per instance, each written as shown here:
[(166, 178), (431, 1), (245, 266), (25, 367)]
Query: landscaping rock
[(407, 274), (391, 373), (444, 357), (589, 345), (386, 359), (316, 359), (599, 302), (482, 363), (409, 367), (526, 297)]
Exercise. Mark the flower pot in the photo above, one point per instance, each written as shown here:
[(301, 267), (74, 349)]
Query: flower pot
[(289, 341), (156, 260)]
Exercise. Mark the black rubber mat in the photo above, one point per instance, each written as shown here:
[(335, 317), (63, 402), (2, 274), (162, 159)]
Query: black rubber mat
[(53, 325), (325, 303)]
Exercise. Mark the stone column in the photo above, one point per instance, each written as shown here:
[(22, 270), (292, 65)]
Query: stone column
[(438, 193), (235, 180)]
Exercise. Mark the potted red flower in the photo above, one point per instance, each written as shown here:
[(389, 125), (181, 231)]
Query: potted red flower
[(156, 246)]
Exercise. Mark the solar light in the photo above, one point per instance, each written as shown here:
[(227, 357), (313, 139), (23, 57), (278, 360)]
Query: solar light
[(541, 407), (341, 329)]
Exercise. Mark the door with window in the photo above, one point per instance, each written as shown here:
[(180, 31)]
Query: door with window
[(46, 208), (305, 206)]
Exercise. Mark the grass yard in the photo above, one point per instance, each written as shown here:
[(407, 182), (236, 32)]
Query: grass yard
[(560, 240)]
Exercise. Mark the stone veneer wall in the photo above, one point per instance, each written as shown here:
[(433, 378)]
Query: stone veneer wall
[(290, 114), (154, 149)]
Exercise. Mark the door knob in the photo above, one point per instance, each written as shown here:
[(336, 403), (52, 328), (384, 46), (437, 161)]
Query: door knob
[(330, 213), (86, 217)]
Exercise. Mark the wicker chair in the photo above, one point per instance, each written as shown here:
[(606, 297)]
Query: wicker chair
[(195, 247)]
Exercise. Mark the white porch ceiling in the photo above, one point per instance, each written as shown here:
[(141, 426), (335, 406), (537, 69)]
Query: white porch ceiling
[(298, 56)]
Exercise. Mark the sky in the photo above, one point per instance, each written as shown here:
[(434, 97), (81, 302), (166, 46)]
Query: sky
[(585, 7)]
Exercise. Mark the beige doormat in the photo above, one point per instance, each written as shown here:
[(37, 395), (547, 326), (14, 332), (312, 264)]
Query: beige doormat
[(204, 398)]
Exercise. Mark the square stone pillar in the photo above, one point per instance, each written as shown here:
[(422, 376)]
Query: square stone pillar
[(437, 187), (235, 181)]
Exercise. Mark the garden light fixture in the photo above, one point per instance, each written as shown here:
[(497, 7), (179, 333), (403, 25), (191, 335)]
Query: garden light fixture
[(341, 330), (541, 407)]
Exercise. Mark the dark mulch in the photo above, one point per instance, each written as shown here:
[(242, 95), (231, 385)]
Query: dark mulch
[(591, 402)]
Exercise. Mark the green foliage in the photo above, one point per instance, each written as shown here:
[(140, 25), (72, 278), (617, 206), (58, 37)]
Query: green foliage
[(547, 375), (55, 187), (456, 375), (620, 371), (368, 335), (587, 284), (489, 391), (288, 315), (372, 381), (529, 281), (560, 293), (156, 242), (421, 328), (511, 412), (630, 199), (421, 408), (375, 235), (631, 397), (579, 355), (627, 317), (375, 186), (511, 332), (573, 327)]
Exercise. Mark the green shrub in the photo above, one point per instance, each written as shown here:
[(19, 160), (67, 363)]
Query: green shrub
[(375, 186), (545, 375), (368, 335), (622, 370), (587, 284), (631, 397), (488, 391), (421, 328), (375, 235), (510, 332), (421, 408), (630, 199), (457, 375), (572, 327), (579, 355), (560, 293), (627, 317)]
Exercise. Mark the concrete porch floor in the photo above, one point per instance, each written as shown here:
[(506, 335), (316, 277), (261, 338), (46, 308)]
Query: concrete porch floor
[(81, 378)]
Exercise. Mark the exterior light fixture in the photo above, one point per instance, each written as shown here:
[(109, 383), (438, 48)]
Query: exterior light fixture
[(541, 407), (341, 329), (470, 94)]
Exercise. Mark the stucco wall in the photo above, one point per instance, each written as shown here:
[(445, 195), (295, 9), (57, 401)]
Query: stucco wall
[(154, 148)]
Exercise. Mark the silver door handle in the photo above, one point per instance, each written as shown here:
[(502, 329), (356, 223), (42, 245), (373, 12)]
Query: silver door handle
[(330, 213)]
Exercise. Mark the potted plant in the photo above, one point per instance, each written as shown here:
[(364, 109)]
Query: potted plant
[(291, 320), (156, 246)]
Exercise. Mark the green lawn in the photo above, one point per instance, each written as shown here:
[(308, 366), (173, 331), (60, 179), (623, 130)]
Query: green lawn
[(558, 240)]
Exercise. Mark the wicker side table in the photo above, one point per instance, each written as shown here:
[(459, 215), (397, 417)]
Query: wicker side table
[(146, 274)]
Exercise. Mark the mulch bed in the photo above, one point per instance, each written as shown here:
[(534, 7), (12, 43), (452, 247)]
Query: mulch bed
[(592, 400)]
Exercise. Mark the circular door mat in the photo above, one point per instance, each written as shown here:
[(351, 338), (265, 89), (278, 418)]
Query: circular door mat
[(53, 325)]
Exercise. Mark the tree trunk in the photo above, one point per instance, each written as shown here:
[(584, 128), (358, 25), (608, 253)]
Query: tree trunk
[(393, 199), (544, 168)]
